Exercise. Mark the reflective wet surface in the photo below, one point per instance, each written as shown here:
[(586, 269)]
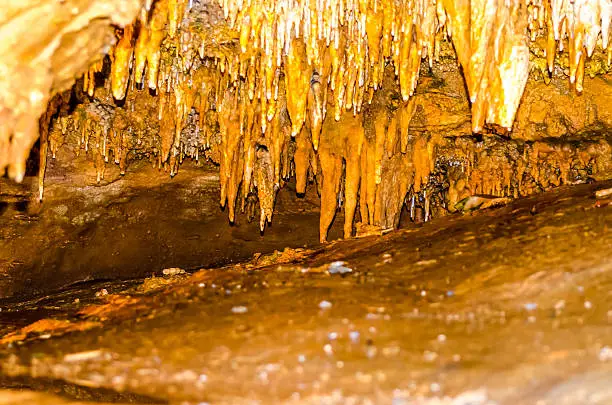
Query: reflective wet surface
[(508, 305)]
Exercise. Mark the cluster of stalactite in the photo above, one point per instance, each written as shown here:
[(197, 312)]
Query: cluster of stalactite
[(373, 161), (393, 166), (250, 87), (505, 168)]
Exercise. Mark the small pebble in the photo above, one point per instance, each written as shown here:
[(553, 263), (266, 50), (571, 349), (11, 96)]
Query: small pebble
[(441, 338), (338, 267), (240, 310), (588, 305), (430, 356), (325, 304), (173, 271), (450, 293), (390, 351), (83, 356), (328, 349), (301, 358), (354, 336), (434, 387), (603, 193), (387, 258), (605, 354), (477, 397), (530, 306), (332, 336), (102, 293), (364, 378)]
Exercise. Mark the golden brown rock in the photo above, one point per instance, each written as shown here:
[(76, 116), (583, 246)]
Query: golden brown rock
[(44, 46), (249, 84)]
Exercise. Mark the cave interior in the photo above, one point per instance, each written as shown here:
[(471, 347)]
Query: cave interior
[(306, 201)]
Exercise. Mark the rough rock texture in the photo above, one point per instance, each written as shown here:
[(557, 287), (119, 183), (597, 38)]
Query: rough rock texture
[(546, 111), (45, 45), (132, 226), (553, 111)]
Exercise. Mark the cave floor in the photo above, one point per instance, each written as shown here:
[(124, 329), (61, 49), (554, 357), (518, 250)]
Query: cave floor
[(511, 305)]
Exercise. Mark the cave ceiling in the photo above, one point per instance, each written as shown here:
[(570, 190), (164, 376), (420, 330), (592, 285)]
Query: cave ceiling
[(365, 96)]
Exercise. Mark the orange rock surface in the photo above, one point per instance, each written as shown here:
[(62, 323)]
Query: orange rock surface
[(249, 86)]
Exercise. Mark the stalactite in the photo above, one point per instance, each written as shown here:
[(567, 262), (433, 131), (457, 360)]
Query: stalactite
[(253, 92), (121, 62)]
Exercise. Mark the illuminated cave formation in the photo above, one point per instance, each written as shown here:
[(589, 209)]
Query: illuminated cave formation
[(374, 102)]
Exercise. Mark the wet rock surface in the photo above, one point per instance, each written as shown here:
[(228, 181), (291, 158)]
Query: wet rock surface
[(131, 227), (502, 306)]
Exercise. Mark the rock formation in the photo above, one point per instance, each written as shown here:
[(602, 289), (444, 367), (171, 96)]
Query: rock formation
[(382, 103)]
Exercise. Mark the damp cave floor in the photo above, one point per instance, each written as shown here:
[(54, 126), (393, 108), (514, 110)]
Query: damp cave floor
[(505, 306)]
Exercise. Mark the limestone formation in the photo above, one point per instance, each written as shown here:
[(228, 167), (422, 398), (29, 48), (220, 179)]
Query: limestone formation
[(376, 100)]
